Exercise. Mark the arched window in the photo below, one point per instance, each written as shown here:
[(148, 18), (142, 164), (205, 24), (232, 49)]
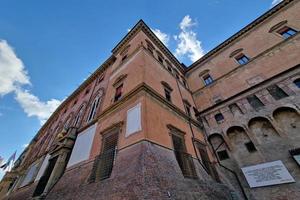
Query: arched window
[(93, 109), (79, 116), (297, 82)]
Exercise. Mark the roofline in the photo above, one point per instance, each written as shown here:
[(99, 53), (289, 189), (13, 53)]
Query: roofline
[(240, 33), (142, 26)]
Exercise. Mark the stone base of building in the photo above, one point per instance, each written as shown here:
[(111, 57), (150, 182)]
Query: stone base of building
[(142, 171)]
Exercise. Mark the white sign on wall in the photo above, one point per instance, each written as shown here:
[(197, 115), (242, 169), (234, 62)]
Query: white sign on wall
[(133, 122), (270, 173), (82, 146)]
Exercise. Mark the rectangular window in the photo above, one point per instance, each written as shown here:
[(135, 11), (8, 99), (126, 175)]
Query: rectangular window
[(204, 157), (250, 146), (223, 155), (185, 161), (219, 117), (118, 93), (287, 32), (168, 95), (160, 59), (188, 109), (254, 102), (207, 79), (242, 59), (105, 161), (276, 92)]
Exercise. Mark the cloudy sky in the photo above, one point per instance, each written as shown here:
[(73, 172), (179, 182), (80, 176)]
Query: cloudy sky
[(47, 48)]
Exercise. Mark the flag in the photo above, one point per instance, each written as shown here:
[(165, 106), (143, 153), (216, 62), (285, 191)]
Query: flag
[(11, 159)]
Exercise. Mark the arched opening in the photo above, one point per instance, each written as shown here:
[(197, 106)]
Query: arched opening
[(288, 119), (240, 140), (218, 144), (263, 130)]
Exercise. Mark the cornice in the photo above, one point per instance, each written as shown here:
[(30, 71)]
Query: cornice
[(143, 87), (142, 26), (240, 33)]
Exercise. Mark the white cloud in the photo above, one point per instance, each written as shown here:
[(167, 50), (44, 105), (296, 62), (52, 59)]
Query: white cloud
[(33, 106), (275, 2), (162, 36), (14, 77), (187, 42), (25, 145), (12, 70)]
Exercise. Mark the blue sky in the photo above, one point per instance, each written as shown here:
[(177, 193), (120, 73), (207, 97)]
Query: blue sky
[(47, 48)]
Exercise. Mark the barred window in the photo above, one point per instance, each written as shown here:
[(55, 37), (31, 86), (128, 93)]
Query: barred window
[(276, 92), (104, 162), (185, 161), (254, 102)]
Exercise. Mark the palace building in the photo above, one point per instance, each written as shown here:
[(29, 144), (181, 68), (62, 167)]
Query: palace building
[(145, 126)]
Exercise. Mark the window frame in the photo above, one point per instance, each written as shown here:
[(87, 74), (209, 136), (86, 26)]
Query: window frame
[(209, 78), (93, 108), (283, 32), (276, 92), (241, 57)]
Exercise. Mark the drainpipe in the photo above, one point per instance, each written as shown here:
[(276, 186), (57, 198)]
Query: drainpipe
[(230, 170), (226, 168)]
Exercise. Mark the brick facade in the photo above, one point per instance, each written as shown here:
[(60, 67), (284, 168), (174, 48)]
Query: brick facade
[(143, 126)]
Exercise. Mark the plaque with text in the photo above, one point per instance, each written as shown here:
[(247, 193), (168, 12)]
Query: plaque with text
[(270, 173)]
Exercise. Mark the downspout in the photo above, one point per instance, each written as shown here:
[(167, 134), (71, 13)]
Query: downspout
[(214, 151), (230, 170)]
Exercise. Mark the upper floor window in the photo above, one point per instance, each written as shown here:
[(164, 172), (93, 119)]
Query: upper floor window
[(167, 91), (124, 53), (160, 57), (187, 107), (297, 82), (184, 82), (168, 94), (150, 46), (287, 32), (118, 93), (219, 117), (101, 77), (254, 102), (207, 79), (276, 92), (124, 57), (242, 59), (79, 116), (93, 109)]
